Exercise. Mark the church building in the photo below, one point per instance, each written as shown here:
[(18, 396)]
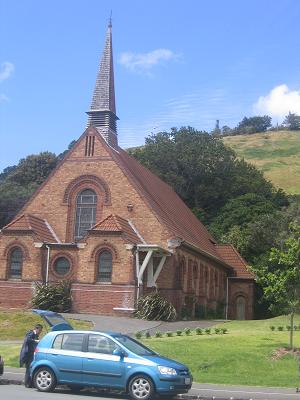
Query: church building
[(117, 231)]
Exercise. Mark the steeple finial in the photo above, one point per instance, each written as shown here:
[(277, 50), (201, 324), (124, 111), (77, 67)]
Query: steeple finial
[(102, 113)]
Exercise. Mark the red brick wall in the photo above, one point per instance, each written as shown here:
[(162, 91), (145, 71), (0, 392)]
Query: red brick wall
[(15, 294), (102, 299), (240, 288)]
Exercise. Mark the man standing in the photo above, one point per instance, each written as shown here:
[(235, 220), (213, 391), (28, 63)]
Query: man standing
[(27, 351)]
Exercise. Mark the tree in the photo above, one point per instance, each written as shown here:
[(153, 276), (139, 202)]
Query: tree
[(280, 277), (226, 131), (292, 122), (201, 169), (17, 183), (253, 125)]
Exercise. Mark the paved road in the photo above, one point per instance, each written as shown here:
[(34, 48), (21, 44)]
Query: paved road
[(201, 391)]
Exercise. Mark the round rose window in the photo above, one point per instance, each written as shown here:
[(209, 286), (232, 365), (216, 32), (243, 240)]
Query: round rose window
[(62, 266)]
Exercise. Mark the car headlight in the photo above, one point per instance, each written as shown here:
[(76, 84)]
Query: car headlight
[(166, 370)]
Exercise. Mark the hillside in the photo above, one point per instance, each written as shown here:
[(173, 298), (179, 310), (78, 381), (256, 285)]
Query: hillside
[(277, 154)]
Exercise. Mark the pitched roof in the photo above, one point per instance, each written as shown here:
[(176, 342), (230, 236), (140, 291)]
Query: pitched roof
[(116, 224), (32, 224), (232, 257), (168, 206)]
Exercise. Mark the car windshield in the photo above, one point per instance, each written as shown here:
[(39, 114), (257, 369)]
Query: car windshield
[(134, 346)]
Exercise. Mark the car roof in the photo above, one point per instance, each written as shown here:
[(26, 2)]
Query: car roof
[(109, 333)]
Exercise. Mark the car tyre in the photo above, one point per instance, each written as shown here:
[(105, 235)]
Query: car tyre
[(141, 387), (44, 380)]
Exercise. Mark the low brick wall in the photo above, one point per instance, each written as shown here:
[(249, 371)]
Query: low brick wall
[(15, 294), (103, 299)]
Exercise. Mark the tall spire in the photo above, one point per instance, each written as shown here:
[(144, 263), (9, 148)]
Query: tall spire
[(102, 113)]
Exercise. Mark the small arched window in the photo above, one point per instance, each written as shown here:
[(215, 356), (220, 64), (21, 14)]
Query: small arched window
[(104, 267), (86, 204), (16, 263)]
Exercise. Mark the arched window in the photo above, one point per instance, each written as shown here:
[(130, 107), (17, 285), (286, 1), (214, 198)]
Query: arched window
[(16, 263), (104, 266), (85, 212)]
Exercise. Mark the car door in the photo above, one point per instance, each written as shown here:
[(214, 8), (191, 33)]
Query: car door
[(100, 366), (67, 355)]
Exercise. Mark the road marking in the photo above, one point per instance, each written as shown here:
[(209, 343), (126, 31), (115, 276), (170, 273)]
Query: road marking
[(241, 391)]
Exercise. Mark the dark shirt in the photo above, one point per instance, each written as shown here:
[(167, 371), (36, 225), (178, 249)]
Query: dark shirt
[(28, 347)]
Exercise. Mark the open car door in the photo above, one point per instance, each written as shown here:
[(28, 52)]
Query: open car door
[(54, 320)]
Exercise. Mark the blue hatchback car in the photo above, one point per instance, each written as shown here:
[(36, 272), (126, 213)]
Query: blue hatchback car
[(103, 359)]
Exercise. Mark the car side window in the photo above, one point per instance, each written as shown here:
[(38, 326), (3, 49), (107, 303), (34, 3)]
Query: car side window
[(72, 341), (101, 344), (57, 342)]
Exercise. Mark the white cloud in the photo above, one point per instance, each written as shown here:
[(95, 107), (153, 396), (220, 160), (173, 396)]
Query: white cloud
[(279, 102), (143, 62), (6, 69)]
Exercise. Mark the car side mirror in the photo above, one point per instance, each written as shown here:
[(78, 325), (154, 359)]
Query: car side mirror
[(120, 353)]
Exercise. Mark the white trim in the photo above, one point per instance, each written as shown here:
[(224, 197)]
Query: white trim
[(102, 290), (52, 231), (159, 268), (144, 265), (136, 231)]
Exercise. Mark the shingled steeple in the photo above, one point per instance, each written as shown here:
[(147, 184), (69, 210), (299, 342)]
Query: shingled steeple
[(102, 113)]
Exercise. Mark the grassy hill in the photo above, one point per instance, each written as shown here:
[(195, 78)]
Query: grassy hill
[(277, 154)]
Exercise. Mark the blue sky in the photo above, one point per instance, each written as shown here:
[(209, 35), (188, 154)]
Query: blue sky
[(176, 63)]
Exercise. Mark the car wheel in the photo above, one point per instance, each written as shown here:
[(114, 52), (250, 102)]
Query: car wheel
[(44, 380), (141, 388)]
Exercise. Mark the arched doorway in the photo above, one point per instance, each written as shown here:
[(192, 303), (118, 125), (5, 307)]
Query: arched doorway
[(240, 307)]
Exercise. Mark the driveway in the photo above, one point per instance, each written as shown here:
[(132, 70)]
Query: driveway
[(133, 325)]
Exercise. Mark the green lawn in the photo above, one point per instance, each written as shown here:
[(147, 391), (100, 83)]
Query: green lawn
[(14, 325), (277, 154), (241, 357)]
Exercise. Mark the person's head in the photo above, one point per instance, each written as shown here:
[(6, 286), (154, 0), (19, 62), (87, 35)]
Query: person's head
[(38, 328)]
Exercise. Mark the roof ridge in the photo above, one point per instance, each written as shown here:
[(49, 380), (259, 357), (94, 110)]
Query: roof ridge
[(240, 257), (13, 221)]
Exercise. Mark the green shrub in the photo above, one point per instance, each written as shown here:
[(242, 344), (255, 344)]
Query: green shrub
[(158, 334), (217, 330), (187, 331), (272, 328), (54, 296), (288, 327), (295, 327), (154, 307), (148, 335), (224, 330), (280, 328), (208, 331), (179, 332), (169, 334), (138, 335), (199, 331)]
